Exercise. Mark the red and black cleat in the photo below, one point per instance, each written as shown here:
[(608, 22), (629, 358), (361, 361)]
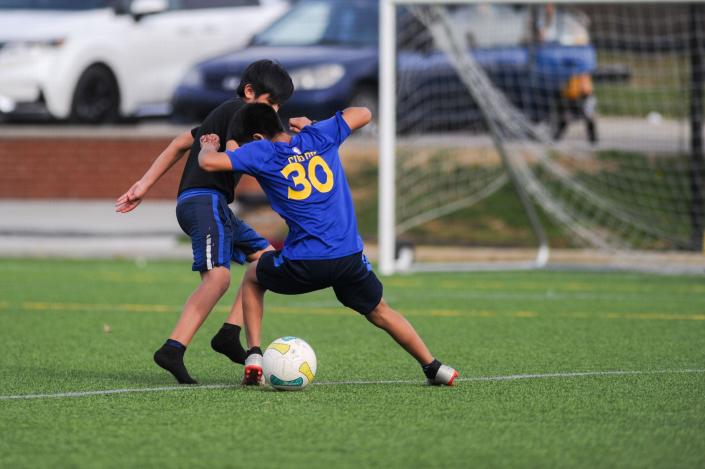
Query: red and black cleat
[(253, 371), (444, 377)]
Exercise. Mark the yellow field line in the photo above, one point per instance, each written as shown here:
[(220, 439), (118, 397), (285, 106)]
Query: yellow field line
[(138, 308), (657, 316), (340, 311), (533, 287), (302, 310), (525, 314)]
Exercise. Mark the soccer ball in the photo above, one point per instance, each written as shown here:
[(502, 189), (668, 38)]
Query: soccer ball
[(289, 364)]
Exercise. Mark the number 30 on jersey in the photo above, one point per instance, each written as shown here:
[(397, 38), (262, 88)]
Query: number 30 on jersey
[(307, 179)]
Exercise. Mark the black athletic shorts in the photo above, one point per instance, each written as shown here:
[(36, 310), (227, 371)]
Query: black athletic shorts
[(355, 284)]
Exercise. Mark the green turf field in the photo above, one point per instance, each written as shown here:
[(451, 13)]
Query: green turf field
[(53, 317)]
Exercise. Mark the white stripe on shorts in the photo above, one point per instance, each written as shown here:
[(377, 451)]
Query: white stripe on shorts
[(209, 262)]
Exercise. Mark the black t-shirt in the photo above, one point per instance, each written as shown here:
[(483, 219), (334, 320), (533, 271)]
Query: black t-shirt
[(196, 178)]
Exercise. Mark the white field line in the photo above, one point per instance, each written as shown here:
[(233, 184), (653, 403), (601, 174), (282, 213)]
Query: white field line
[(106, 392), (578, 374)]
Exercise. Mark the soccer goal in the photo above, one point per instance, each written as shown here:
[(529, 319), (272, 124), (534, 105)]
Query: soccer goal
[(520, 135)]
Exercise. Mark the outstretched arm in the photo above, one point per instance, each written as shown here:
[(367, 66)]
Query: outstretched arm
[(210, 159), (171, 154), (357, 117)]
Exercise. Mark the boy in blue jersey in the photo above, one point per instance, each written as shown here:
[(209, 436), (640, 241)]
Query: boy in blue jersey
[(217, 235), (304, 180)]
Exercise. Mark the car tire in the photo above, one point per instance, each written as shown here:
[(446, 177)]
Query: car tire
[(366, 96), (96, 98)]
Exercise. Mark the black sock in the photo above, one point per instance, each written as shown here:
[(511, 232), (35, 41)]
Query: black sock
[(227, 342), (431, 369), (171, 357), (254, 350), (176, 344)]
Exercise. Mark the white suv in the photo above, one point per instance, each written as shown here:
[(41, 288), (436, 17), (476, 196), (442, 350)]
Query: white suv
[(97, 60)]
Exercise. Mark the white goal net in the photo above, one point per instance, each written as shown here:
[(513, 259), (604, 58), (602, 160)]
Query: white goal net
[(507, 129)]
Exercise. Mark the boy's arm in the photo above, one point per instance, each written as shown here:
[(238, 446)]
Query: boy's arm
[(357, 117), (296, 124), (210, 159), (166, 159)]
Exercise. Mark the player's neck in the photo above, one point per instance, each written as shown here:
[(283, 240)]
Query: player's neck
[(282, 137)]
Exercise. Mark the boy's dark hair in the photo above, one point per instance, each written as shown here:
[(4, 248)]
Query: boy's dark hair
[(254, 118), (267, 76)]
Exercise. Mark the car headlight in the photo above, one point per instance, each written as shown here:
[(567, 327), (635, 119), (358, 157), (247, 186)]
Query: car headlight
[(32, 46), (6, 104), (193, 79), (230, 82), (317, 78)]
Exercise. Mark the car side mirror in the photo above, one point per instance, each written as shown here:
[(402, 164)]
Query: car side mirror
[(141, 8)]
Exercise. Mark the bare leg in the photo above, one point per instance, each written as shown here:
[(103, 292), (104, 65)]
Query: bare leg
[(253, 305), (384, 317), (236, 316), (214, 284)]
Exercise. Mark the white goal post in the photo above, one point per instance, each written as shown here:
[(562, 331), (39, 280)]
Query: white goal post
[(635, 199)]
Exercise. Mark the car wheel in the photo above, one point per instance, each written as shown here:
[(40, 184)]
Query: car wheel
[(96, 98), (367, 97)]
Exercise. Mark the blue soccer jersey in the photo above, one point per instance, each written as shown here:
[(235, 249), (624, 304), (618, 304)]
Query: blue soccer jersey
[(306, 184)]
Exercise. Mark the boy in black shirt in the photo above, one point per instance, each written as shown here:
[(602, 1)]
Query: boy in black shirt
[(217, 236)]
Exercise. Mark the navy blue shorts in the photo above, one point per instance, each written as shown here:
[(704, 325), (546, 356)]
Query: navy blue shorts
[(217, 235), (355, 284)]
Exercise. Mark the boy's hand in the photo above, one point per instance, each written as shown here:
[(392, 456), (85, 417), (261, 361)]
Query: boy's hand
[(132, 198), (210, 140), (296, 124), (231, 145)]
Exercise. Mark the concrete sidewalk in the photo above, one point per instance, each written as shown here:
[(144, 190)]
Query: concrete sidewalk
[(89, 229)]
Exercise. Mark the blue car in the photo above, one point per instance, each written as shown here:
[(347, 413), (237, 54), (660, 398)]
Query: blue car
[(331, 50)]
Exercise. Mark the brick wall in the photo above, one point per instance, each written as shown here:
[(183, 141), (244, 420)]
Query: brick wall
[(84, 168)]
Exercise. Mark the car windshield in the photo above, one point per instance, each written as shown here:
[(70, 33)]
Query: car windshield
[(319, 22), (55, 4)]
